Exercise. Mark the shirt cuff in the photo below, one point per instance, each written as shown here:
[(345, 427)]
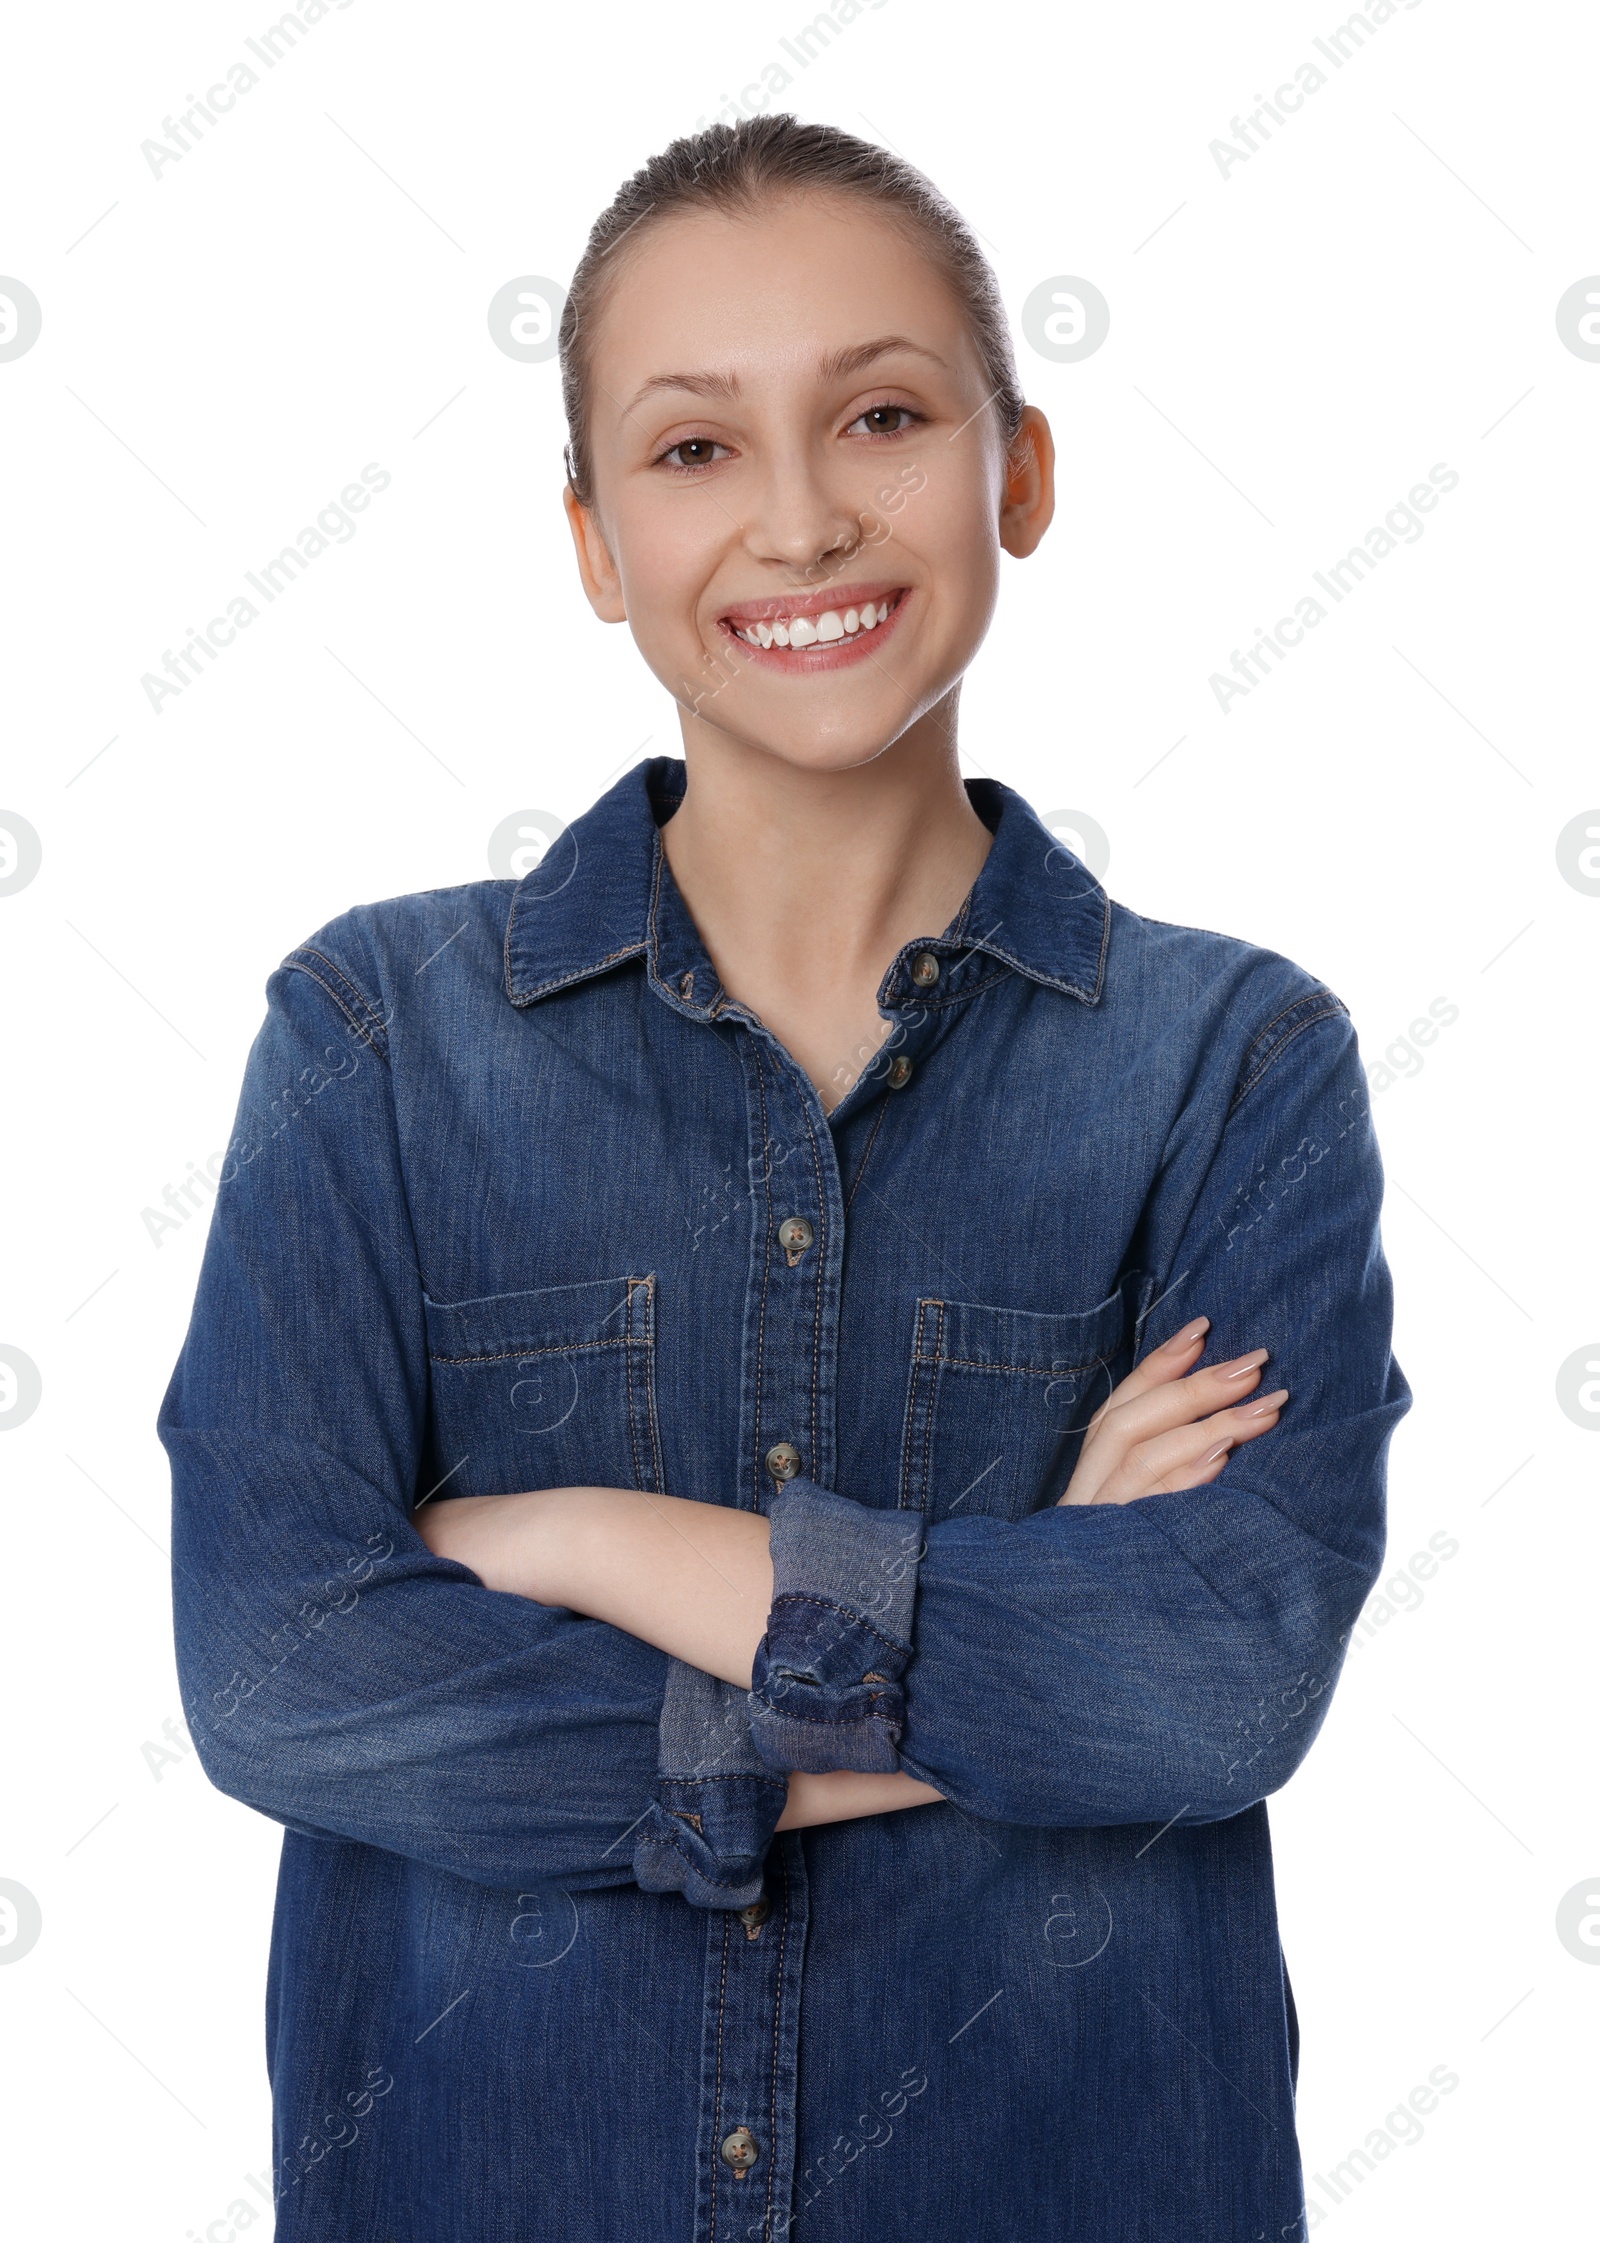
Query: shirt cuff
[(706, 1832), (826, 1684)]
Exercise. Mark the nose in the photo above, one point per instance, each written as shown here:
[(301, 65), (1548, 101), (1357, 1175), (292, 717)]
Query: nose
[(800, 519)]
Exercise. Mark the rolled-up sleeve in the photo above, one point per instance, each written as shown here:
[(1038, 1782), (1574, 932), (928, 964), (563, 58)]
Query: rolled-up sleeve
[(826, 1690), (716, 1801)]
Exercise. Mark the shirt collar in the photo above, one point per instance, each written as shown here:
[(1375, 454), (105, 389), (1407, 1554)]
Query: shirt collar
[(604, 893)]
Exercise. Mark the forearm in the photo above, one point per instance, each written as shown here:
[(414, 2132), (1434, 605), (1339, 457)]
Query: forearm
[(694, 1579), (845, 1794)]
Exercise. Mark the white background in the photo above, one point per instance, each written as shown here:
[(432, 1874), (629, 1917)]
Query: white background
[(1292, 347)]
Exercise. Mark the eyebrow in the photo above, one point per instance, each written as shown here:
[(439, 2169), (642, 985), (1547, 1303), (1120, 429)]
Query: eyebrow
[(853, 359)]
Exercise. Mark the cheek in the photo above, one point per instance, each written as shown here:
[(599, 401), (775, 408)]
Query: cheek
[(664, 555), (948, 529), (952, 499), (949, 512)]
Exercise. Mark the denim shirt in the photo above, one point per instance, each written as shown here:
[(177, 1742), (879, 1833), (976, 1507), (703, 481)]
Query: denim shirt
[(519, 1197)]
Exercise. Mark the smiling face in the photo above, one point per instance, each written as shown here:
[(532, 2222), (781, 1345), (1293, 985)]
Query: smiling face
[(800, 491)]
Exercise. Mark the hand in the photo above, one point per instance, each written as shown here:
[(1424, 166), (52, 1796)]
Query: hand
[(1160, 1431)]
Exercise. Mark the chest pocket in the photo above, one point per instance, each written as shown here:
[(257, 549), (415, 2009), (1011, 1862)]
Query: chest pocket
[(554, 1388), (998, 1401)]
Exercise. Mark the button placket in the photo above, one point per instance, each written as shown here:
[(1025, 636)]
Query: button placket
[(918, 1024), (790, 1338), (749, 2058), (789, 1347)]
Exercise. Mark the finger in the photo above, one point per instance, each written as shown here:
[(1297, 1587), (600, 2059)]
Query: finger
[(1227, 1429), (1128, 1485), (1195, 1454), (1141, 1415), (1246, 1419), (1188, 1456), (1169, 1361), (1141, 1410), (1156, 1398)]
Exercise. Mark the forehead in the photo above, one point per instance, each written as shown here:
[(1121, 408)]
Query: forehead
[(768, 292)]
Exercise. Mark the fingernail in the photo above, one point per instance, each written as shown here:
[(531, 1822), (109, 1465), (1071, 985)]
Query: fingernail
[(1189, 1334), (1270, 1405), (1221, 1449), (1247, 1363)]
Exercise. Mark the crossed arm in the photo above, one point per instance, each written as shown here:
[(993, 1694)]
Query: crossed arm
[(696, 1579)]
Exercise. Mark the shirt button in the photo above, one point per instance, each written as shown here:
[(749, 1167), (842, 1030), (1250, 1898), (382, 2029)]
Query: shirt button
[(740, 2149), (783, 1461), (925, 969), (899, 1072), (794, 1236), (755, 1916)]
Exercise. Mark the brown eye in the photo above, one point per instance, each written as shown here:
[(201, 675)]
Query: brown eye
[(884, 420), (693, 451)]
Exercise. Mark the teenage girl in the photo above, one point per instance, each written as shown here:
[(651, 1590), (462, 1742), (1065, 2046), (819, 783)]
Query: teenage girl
[(727, 1488)]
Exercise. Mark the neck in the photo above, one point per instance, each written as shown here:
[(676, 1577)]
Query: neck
[(804, 884)]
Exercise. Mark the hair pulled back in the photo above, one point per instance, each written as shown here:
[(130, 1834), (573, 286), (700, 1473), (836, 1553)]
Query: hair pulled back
[(734, 169)]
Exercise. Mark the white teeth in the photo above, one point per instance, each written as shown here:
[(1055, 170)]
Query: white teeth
[(825, 629)]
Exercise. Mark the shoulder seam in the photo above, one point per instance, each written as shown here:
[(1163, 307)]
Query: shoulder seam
[(1280, 1031), (358, 1009)]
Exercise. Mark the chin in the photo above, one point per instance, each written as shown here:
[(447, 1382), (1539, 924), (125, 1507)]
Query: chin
[(844, 747)]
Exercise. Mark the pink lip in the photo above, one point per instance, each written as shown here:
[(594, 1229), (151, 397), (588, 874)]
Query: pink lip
[(829, 654)]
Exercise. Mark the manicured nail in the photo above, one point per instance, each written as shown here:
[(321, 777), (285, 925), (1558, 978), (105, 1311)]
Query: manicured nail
[(1221, 1449), (1269, 1405), (1247, 1363), (1188, 1336)]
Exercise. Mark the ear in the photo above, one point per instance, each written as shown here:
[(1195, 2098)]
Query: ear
[(601, 582), (1028, 499)]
